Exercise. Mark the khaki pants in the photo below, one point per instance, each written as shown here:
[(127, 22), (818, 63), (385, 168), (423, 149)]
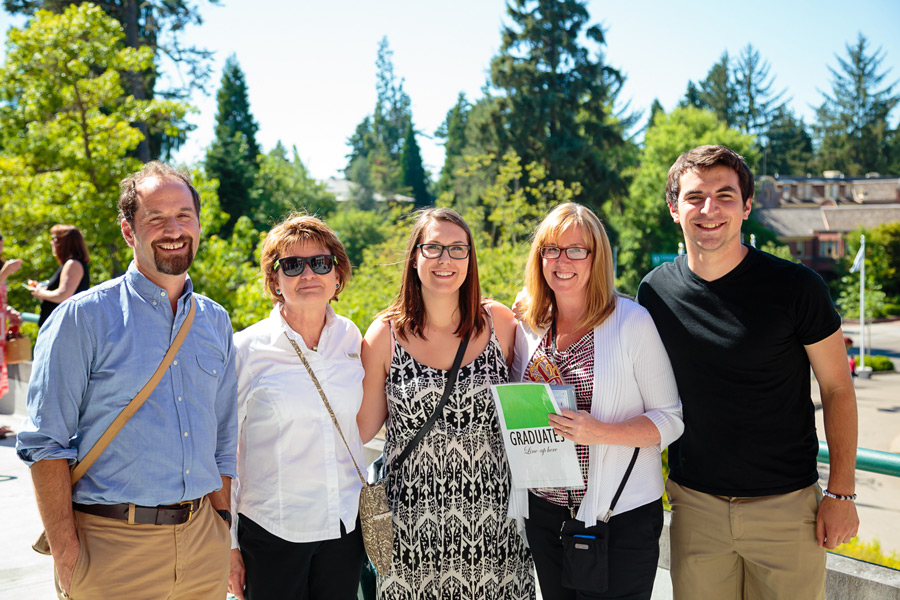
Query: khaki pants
[(152, 562), (761, 548)]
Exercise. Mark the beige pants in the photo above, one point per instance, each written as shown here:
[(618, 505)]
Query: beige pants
[(152, 562), (745, 548)]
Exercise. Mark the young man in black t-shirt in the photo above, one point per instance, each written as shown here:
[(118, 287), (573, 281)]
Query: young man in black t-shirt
[(742, 328)]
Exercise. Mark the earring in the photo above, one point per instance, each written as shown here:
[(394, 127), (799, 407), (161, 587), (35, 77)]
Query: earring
[(337, 285), (278, 291)]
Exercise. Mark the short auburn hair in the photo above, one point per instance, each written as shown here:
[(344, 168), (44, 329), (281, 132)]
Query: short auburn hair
[(601, 287), (298, 228)]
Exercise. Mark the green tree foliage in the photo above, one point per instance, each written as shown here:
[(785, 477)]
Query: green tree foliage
[(789, 150), (412, 174), (232, 157), (756, 102), (159, 26), (852, 132), (283, 185), (557, 96), (359, 230), (453, 132), (67, 134), (717, 93), (643, 223), (377, 162)]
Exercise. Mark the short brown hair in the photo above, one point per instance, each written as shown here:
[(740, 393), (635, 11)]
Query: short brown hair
[(128, 199), (69, 244), (408, 309), (601, 287), (297, 228), (706, 157)]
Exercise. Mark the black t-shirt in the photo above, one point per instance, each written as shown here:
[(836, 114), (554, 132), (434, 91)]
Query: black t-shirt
[(736, 346)]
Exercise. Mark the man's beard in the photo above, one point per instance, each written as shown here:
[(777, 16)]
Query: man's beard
[(174, 264)]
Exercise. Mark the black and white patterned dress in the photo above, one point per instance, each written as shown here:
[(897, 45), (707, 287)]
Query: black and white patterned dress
[(452, 538)]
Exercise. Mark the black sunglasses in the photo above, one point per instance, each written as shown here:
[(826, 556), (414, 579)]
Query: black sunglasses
[(292, 266)]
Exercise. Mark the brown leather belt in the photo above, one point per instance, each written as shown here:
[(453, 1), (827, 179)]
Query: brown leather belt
[(172, 514)]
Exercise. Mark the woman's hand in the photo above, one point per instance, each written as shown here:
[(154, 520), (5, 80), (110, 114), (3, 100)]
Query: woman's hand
[(578, 426), (582, 428), (10, 267), (236, 579)]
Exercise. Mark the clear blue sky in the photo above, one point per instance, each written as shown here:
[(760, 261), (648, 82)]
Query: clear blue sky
[(310, 66)]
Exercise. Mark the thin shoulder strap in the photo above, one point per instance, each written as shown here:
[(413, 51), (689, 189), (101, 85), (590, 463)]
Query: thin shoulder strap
[(448, 387), (136, 402), (337, 425)]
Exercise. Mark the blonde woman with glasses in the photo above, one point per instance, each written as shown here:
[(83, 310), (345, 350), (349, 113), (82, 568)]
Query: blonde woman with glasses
[(577, 330)]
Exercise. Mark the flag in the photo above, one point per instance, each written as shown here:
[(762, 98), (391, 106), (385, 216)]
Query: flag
[(858, 261)]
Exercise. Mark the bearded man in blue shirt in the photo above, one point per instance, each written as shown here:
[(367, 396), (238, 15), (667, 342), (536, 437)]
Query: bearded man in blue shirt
[(142, 522)]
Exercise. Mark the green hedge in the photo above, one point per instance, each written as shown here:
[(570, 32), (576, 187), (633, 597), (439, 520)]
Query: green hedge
[(878, 363)]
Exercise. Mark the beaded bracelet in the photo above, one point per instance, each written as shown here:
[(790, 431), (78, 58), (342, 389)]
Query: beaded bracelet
[(838, 496)]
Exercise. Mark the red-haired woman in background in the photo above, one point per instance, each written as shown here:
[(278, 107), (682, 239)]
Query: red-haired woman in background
[(72, 275)]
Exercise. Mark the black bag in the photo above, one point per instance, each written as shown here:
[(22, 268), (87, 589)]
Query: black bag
[(585, 564)]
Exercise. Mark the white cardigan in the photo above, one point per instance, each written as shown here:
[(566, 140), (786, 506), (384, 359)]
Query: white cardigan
[(632, 376)]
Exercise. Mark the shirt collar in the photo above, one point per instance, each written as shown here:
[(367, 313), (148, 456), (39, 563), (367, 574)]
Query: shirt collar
[(280, 325), (151, 292)]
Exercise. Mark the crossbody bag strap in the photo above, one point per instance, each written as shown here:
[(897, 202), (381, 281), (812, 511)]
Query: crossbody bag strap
[(448, 387), (615, 499), (136, 402), (315, 381)]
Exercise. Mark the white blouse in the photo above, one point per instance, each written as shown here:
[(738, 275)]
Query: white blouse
[(632, 376), (295, 477)]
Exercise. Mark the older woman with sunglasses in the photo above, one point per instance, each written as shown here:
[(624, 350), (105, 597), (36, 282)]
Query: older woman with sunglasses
[(576, 330), (296, 499)]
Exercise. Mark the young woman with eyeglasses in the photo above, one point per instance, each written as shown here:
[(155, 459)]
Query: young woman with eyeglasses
[(576, 330), (297, 533), (452, 537)]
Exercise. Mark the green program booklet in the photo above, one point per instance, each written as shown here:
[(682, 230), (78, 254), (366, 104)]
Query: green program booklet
[(538, 456)]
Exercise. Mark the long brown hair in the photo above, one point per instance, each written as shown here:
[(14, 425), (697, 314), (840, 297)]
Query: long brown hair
[(408, 309), (69, 244), (600, 296)]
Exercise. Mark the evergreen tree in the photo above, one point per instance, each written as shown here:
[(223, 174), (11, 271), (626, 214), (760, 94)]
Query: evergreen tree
[(852, 133), (376, 147), (789, 150), (557, 95), (453, 132), (756, 103), (716, 93), (411, 170), (232, 156)]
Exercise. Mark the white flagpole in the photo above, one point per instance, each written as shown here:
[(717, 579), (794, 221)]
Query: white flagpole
[(862, 303)]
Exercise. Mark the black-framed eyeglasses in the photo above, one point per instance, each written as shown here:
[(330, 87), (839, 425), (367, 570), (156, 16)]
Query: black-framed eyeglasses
[(455, 251), (321, 264), (572, 252)]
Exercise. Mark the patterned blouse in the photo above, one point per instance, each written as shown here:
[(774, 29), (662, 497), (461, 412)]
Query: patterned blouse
[(576, 365)]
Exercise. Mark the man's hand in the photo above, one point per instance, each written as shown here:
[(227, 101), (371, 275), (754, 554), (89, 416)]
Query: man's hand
[(64, 560), (836, 522), (236, 578)]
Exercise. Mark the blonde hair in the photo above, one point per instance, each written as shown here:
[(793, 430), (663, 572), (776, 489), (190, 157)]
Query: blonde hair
[(295, 229), (600, 300)]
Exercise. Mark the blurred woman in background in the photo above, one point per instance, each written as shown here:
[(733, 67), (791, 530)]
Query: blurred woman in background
[(71, 277)]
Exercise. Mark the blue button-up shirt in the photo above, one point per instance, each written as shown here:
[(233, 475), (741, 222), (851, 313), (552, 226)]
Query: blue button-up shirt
[(95, 352)]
